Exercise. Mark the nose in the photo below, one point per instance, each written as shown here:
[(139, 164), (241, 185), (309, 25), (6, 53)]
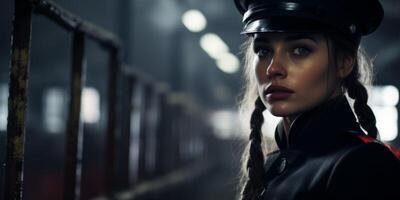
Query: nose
[(275, 68)]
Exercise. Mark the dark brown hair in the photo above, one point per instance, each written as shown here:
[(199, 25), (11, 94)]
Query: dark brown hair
[(251, 183)]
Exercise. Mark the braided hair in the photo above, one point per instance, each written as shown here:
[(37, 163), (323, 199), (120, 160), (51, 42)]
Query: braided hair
[(365, 116), (354, 86), (253, 186)]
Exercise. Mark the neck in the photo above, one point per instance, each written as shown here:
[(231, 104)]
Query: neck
[(287, 122)]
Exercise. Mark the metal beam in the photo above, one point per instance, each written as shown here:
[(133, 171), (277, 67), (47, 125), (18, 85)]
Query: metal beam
[(73, 152), (17, 100)]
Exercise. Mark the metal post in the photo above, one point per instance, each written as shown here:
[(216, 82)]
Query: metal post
[(126, 133), (161, 135), (177, 135), (17, 101), (152, 123), (73, 147), (114, 66), (143, 135), (174, 136)]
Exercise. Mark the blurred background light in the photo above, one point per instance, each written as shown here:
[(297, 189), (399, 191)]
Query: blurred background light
[(386, 122), (194, 20), (383, 101), (224, 123), (228, 63), (213, 45), (270, 124), (3, 106), (90, 105), (55, 115), (216, 48), (390, 95), (54, 101), (384, 95)]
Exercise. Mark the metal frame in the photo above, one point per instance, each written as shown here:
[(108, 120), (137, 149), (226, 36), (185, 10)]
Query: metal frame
[(168, 134)]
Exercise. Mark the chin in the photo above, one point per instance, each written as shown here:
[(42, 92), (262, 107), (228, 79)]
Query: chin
[(281, 110), (287, 109)]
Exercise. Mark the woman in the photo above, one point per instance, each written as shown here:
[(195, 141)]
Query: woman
[(302, 59)]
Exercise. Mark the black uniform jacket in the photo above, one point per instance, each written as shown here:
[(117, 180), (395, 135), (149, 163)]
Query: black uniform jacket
[(324, 159)]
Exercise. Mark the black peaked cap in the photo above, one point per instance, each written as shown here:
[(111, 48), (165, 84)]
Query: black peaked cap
[(353, 18)]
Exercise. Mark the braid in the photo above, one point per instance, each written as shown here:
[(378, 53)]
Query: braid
[(358, 92), (255, 163), (353, 83)]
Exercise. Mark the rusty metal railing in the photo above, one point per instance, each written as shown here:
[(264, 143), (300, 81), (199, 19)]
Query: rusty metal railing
[(17, 101), (74, 133), (168, 136)]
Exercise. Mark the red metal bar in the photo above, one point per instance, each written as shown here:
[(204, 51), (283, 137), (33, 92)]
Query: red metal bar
[(73, 146), (17, 101)]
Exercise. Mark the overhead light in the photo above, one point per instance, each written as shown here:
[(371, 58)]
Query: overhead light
[(90, 105), (228, 63), (194, 20), (213, 45)]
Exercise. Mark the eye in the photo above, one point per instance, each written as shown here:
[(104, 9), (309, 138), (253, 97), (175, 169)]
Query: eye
[(263, 52), (301, 51)]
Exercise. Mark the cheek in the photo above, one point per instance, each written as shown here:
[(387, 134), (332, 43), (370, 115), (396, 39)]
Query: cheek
[(313, 84), (313, 81)]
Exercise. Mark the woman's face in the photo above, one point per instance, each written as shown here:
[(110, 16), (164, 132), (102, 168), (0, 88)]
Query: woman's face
[(293, 72)]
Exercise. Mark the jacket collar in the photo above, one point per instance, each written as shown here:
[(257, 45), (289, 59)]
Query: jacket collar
[(321, 128)]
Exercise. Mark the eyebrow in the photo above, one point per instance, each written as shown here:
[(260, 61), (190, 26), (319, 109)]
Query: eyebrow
[(287, 39)]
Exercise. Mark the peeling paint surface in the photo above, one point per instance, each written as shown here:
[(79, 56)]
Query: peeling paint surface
[(18, 148), (18, 85)]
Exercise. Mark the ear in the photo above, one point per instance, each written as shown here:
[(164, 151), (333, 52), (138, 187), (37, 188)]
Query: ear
[(345, 65)]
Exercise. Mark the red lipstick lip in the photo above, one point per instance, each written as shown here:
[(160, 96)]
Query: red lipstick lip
[(277, 88), (276, 92)]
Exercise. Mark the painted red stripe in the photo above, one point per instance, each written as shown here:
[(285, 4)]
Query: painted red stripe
[(367, 139)]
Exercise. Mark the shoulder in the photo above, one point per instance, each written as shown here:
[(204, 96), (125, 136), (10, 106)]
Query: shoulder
[(365, 171), (372, 153), (370, 157)]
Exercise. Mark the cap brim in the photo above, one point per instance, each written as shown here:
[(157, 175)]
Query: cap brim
[(283, 24)]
